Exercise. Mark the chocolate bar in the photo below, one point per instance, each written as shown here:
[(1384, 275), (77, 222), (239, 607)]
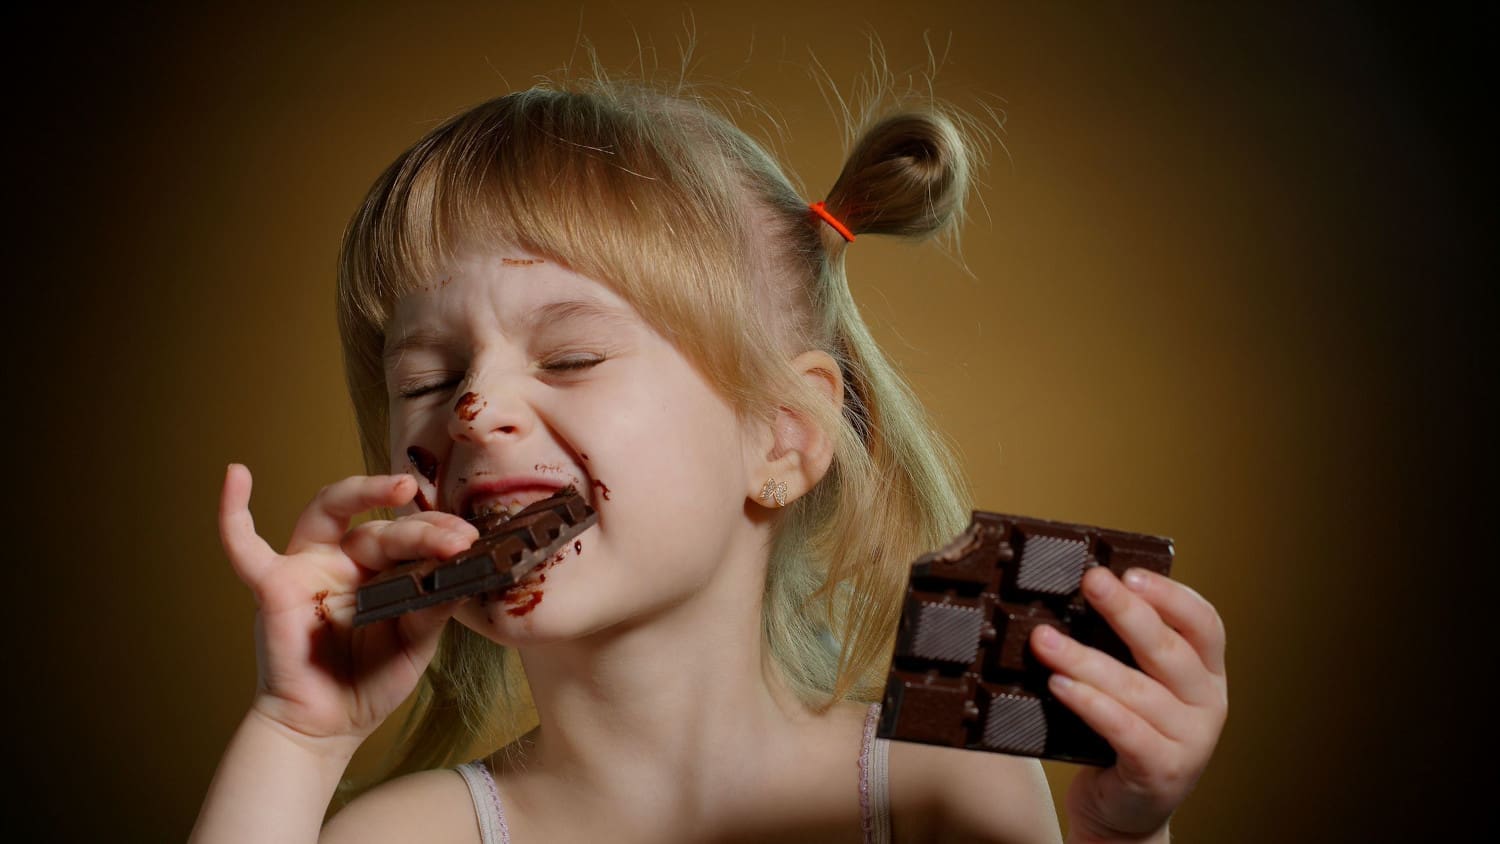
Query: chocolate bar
[(505, 551), (963, 674)]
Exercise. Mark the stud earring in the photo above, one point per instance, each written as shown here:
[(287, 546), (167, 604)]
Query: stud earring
[(773, 489)]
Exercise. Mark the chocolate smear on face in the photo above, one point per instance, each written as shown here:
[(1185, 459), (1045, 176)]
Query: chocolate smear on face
[(469, 406), (531, 600), (426, 464), (423, 461)]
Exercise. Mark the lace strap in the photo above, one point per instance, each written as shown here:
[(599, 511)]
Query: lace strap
[(486, 797), (874, 782)]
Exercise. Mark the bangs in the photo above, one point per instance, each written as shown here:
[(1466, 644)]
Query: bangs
[(621, 185)]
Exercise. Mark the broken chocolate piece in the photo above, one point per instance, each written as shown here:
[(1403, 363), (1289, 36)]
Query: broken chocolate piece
[(963, 674), (505, 551)]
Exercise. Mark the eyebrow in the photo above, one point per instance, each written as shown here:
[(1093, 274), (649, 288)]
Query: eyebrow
[(552, 312)]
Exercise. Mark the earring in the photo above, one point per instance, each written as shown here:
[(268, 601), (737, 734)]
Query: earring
[(773, 489)]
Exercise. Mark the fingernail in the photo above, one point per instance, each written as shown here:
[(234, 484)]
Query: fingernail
[(1099, 587), (1135, 579), (1060, 682), (1049, 636)]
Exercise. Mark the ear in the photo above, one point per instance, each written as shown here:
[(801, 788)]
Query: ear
[(794, 450)]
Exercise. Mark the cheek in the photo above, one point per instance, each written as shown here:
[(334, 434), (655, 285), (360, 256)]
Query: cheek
[(673, 473), (659, 434), (421, 455)]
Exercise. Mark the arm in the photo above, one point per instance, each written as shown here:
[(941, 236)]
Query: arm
[(267, 766), (323, 685), (950, 795), (426, 806)]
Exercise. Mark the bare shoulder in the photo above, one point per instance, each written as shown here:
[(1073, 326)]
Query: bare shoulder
[(943, 793), (427, 806)]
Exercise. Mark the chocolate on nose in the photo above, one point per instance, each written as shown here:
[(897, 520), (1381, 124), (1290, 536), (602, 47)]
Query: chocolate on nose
[(469, 406), (477, 416)]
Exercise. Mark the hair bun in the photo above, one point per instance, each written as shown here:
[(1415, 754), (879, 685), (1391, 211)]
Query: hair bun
[(907, 175)]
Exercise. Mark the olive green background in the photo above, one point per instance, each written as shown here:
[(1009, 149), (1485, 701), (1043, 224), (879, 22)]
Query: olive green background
[(1221, 283)]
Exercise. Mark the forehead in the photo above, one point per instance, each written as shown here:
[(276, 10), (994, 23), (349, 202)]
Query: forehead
[(519, 293)]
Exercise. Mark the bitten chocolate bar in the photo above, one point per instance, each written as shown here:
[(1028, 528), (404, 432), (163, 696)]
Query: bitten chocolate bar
[(963, 673), (505, 551)]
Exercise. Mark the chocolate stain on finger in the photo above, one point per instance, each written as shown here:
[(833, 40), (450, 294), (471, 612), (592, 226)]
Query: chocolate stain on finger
[(320, 608)]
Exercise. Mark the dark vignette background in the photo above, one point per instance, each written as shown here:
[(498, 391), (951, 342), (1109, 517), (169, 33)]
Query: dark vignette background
[(1228, 288)]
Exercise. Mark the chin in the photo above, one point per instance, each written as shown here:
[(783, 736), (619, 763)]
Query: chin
[(548, 605)]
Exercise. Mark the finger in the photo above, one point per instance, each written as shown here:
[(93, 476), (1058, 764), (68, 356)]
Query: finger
[(1158, 649), (379, 545), (407, 643), (250, 555), (421, 631), (1133, 689), (1185, 611), (325, 520), (447, 521), (1135, 742)]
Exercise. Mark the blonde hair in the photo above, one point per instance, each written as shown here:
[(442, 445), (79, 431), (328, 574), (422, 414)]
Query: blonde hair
[(654, 193)]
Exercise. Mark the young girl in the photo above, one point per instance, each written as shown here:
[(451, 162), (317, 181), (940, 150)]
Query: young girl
[(612, 287)]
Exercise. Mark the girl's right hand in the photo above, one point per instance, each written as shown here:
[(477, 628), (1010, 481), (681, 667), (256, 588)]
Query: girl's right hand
[(319, 676)]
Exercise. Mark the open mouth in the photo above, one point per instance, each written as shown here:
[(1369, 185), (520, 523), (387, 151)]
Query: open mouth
[(499, 507), (493, 510), (489, 517), (489, 512)]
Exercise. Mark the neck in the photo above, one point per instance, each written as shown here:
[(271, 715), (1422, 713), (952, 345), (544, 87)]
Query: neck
[(689, 698)]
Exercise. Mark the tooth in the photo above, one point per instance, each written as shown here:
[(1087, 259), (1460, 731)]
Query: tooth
[(506, 508)]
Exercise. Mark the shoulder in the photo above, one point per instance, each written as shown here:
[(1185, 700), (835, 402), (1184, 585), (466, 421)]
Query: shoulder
[(943, 793), (426, 806)]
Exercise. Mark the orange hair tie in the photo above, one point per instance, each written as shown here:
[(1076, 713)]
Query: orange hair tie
[(821, 211)]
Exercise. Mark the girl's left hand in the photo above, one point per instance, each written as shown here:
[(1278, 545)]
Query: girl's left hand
[(1162, 720)]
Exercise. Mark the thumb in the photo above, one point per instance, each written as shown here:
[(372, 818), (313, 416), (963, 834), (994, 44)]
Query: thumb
[(250, 555)]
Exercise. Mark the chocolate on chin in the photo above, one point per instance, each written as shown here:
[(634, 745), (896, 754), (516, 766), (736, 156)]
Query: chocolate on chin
[(506, 550), (963, 674)]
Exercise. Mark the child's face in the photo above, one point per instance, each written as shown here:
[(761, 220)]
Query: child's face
[(493, 379)]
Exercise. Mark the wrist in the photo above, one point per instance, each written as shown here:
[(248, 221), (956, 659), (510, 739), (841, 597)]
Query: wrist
[(330, 749), (273, 784)]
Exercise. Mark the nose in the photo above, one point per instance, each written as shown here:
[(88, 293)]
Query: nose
[(486, 412)]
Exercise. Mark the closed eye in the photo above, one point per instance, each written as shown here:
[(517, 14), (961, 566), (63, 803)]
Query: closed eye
[(568, 364), (565, 365), (423, 389)]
